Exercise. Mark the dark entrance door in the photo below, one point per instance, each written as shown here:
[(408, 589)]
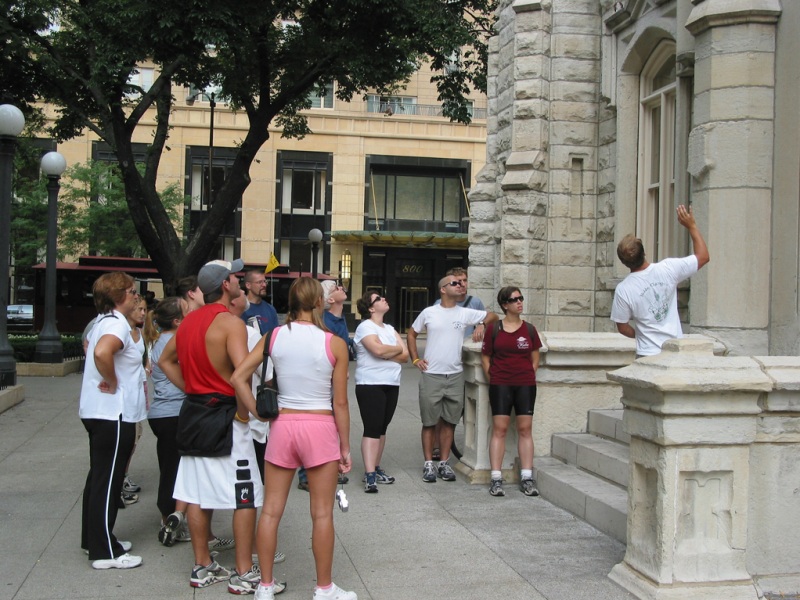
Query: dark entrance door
[(408, 278)]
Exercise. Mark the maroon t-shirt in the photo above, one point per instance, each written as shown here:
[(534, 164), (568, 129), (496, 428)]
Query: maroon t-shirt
[(511, 355)]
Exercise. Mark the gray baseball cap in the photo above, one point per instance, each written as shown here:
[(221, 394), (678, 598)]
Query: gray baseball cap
[(212, 274)]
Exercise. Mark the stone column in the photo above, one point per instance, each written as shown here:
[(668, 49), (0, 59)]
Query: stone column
[(734, 88), (692, 418)]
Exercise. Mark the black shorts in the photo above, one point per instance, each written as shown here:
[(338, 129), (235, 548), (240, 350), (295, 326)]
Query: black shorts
[(522, 398)]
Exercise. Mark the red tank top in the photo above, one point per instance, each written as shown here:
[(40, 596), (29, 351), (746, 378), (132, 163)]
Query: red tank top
[(199, 375)]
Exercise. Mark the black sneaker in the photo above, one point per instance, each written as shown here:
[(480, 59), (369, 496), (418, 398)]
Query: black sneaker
[(382, 476), (169, 531), (446, 473), (528, 487), (371, 485), (429, 473), (496, 488)]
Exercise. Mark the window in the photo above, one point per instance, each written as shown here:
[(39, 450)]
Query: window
[(415, 199), (142, 78), (322, 98), (657, 151), (304, 187)]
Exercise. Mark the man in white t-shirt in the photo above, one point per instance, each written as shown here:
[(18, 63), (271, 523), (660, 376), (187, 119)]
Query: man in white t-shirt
[(646, 302), (441, 387)]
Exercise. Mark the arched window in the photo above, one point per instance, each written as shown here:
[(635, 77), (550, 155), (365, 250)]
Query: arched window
[(656, 189)]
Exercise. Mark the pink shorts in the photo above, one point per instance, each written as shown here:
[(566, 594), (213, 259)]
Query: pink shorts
[(297, 440)]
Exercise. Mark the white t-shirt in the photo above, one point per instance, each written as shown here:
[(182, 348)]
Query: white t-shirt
[(129, 399), (371, 370), (648, 300), (445, 328)]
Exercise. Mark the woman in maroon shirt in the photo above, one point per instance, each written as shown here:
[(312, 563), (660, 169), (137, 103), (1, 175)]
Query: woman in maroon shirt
[(510, 359)]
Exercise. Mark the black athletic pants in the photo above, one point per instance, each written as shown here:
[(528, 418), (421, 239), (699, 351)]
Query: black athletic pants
[(110, 447), (165, 430)]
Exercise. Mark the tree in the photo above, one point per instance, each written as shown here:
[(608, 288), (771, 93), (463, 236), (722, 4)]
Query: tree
[(94, 216), (267, 57), (93, 213)]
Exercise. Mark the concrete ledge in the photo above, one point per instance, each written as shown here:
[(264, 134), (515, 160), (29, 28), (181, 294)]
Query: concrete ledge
[(11, 396), (61, 369)]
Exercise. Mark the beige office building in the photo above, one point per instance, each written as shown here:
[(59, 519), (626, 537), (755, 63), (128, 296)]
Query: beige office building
[(385, 178)]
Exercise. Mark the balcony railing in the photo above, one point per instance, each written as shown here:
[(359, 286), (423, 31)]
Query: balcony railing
[(417, 110)]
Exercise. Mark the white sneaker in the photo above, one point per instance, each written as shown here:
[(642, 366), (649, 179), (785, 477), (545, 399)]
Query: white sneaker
[(334, 593), (123, 561), (125, 546)]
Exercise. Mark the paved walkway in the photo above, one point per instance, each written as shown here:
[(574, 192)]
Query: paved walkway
[(411, 541)]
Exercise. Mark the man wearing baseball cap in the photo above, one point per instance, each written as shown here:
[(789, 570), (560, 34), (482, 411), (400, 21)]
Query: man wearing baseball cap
[(218, 468)]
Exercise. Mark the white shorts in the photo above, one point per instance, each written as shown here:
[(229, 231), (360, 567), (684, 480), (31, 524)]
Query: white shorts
[(222, 482)]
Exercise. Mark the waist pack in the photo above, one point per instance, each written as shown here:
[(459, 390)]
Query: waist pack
[(205, 425)]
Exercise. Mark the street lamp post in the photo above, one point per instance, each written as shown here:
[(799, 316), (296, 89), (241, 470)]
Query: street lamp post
[(315, 237), (212, 104), (48, 347), (12, 122)]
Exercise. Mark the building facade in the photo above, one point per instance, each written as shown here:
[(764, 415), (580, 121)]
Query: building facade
[(604, 116), (385, 179)]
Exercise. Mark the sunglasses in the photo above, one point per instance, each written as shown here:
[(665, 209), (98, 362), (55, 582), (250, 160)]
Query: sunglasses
[(455, 283), (134, 292), (377, 299), (514, 299)]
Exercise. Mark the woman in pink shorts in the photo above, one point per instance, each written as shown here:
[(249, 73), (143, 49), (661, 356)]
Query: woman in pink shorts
[(310, 365)]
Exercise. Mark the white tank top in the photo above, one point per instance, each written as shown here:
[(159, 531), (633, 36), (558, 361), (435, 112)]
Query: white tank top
[(303, 361)]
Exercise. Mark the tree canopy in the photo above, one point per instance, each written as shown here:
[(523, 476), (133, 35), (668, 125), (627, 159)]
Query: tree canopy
[(266, 57)]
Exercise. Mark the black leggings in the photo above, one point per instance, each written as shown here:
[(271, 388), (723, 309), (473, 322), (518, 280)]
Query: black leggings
[(165, 430), (377, 404)]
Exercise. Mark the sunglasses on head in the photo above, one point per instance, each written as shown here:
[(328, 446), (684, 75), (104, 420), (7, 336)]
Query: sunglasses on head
[(514, 299)]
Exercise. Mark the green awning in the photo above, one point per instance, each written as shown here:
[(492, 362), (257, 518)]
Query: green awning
[(419, 239)]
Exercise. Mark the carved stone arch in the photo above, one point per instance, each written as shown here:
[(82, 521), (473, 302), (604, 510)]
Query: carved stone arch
[(643, 43)]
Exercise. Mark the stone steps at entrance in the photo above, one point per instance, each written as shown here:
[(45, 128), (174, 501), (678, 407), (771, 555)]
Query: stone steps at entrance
[(587, 473)]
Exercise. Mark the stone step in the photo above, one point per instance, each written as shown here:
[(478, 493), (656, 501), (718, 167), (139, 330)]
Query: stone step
[(602, 504), (607, 423), (597, 455)]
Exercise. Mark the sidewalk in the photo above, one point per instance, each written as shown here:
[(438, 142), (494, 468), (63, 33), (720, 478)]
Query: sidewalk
[(411, 541)]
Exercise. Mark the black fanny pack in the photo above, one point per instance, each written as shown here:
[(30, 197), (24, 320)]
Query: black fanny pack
[(205, 425)]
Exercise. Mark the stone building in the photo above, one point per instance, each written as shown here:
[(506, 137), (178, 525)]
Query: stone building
[(603, 116)]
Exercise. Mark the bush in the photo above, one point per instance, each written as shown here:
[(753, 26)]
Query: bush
[(25, 346)]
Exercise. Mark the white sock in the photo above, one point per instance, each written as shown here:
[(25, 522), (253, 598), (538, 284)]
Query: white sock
[(526, 474), (497, 474)]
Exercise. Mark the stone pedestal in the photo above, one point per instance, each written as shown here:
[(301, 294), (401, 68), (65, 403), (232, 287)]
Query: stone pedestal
[(692, 419)]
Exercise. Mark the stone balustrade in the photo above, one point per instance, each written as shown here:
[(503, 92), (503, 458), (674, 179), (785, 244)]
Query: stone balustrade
[(571, 380), (713, 496)]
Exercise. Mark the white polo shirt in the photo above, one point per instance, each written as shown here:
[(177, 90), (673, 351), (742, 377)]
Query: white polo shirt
[(129, 399)]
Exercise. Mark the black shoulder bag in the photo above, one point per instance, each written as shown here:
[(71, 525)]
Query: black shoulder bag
[(267, 393)]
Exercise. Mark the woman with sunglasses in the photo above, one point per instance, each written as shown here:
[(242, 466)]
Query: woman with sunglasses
[(510, 358), (379, 353)]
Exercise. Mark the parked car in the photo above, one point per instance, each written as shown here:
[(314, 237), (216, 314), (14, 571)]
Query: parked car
[(20, 316)]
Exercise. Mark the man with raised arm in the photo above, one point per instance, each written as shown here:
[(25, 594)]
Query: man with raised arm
[(646, 302)]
